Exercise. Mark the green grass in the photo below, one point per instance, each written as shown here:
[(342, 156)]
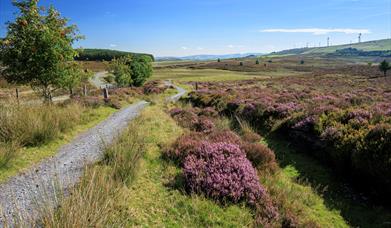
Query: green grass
[(28, 156), (336, 201), (200, 75)]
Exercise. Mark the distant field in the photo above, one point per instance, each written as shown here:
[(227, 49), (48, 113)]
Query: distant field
[(188, 74)]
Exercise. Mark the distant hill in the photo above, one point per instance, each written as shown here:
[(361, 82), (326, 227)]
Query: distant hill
[(208, 57), (104, 54), (370, 46)]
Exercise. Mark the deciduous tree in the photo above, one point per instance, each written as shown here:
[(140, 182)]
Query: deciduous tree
[(37, 49)]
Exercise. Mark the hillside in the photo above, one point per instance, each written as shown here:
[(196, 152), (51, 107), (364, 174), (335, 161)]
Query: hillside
[(104, 54), (376, 45)]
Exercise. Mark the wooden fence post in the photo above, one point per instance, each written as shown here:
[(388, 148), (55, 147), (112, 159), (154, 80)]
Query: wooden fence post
[(17, 94), (196, 85), (105, 93), (85, 90)]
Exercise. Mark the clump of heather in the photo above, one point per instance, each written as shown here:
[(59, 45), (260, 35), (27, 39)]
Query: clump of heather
[(185, 118), (183, 146), (204, 125), (260, 156), (221, 171), (208, 112), (224, 136), (251, 137)]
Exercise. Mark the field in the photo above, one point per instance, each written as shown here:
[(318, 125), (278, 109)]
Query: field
[(289, 102), (308, 132)]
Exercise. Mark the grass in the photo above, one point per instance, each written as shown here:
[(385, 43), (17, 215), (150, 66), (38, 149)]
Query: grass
[(335, 193), (25, 157), (200, 75), (296, 199), (150, 197)]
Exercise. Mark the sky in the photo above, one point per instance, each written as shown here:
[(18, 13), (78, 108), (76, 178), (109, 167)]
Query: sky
[(192, 27)]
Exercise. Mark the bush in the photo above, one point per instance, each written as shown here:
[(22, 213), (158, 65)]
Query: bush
[(203, 125), (208, 112), (261, 156), (251, 137), (222, 172), (224, 136), (183, 146), (114, 103), (185, 118), (154, 87)]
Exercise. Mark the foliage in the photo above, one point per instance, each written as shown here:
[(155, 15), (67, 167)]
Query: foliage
[(131, 71), (104, 55), (121, 70), (257, 61), (222, 172), (37, 49), (332, 119), (384, 67), (74, 76), (141, 69)]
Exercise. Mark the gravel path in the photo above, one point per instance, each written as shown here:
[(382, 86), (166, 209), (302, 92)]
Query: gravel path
[(98, 80), (26, 192)]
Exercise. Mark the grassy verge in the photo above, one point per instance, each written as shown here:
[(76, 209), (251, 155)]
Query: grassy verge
[(25, 157), (150, 199)]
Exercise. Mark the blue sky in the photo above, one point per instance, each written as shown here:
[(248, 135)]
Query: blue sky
[(188, 27)]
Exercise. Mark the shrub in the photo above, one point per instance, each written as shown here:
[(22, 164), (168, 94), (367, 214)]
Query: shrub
[(203, 125), (185, 118), (154, 87), (224, 136), (222, 172), (208, 112), (114, 103), (251, 137), (261, 156), (183, 146)]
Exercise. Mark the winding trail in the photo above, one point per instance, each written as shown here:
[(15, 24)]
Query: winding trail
[(23, 195)]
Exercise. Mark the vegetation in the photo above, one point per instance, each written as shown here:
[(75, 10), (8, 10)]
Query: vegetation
[(27, 139), (356, 52), (131, 71), (105, 55), (384, 67), (349, 127), (148, 196), (276, 208), (37, 49)]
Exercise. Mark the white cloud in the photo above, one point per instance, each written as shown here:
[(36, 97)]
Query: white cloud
[(200, 48), (235, 46), (319, 31), (113, 45), (184, 48)]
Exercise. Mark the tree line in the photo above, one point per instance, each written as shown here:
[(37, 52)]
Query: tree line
[(105, 55)]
